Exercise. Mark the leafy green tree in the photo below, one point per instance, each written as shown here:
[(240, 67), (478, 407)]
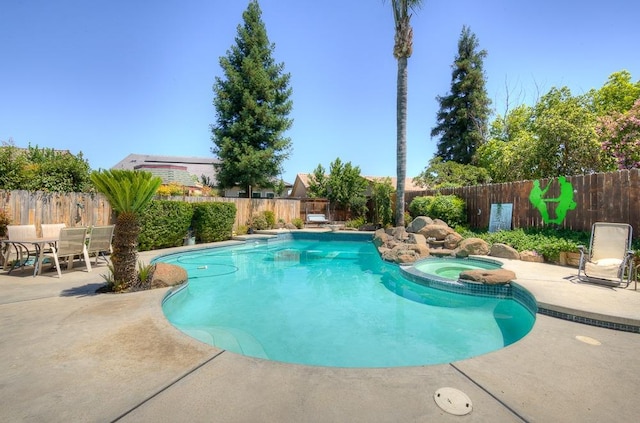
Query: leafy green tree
[(402, 50), (252, 102), (43, 169), (441, 174), (618, 94), (507, 154), (318, 181), (567, 143), (464, 113), (382, 202), (129, 193), (346, 188), (620, 136)]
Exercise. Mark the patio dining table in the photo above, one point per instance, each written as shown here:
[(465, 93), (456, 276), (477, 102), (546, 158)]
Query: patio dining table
[(40, 245)]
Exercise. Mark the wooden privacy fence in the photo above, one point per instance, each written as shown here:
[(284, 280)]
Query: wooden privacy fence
[(284, 209), (72, 209), (82, 209), (599, 197)]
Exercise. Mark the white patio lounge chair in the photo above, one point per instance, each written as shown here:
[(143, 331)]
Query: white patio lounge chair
[(71, 243), (100, 241), (608, 259)]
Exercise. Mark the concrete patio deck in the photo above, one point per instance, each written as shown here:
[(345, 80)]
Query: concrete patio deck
[(68, 354)]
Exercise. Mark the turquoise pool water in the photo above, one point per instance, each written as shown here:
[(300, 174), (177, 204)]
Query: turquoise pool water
[(332, 303)]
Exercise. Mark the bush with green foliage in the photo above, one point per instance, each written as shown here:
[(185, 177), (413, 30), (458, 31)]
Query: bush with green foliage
[(297, 222), (548, 242), (448, 208), (420, 206), (43, 169), (270, 217), (164, 224), (4, 221), (356, 223), (259, 222), (213, 221)]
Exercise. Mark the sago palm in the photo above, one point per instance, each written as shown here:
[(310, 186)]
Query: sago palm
[(402, 49), (129, 192)]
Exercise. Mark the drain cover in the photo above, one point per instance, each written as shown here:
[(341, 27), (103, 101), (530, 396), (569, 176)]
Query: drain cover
[(453, 401)]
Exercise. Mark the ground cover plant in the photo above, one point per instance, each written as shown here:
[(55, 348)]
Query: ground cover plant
[(548, 242)]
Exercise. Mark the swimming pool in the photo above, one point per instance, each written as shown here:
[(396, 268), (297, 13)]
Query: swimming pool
[(332, 303)]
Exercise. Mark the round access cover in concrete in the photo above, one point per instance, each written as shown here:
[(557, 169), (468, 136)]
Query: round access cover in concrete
[(453, 401)]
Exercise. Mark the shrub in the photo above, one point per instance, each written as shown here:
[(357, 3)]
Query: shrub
[(259, 222), (420, 206), (270, 217), (164, 224), (448, 208), (4, 221), (355, 223), (297, 222), (213, 221)]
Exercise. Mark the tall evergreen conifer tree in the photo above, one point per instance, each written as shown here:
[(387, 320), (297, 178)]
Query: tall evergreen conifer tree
[(463, 117), (252, 107)]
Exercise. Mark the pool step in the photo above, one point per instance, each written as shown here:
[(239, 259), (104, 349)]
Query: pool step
[(231, 339)]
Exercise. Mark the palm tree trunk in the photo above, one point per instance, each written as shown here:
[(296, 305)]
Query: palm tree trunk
[(401, 136), (125, 250)]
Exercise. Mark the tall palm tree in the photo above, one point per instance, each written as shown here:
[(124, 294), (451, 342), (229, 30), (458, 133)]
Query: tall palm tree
[(129, 192), (402, 49)]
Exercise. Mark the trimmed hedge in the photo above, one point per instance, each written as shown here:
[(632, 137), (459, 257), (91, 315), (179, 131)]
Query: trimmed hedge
[(164, 224), (213, 221)]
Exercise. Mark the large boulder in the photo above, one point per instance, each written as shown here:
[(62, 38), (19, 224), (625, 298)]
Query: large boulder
[(419, 223), (488, 277), (451, 241), (417, 239), (439, 232), (380, 238), (166, 274), (399, 233), (504, 251), (472, 246)]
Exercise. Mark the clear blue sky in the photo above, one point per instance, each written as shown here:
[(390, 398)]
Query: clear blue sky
[(110, 78)]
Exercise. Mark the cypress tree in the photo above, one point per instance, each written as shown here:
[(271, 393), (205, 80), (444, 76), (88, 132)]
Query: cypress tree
[(463, 117), (252, 105)]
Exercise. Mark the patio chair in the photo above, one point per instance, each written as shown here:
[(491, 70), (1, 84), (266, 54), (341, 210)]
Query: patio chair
[(608, 259), (51, 230), (25, 253), (100, 241), (71, 243)]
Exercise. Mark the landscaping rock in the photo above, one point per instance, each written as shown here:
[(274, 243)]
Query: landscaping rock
[(166, 274), (439, 232), (504, 251), (419, 223), (380, 238), (472, 246), (417, 239), (451, 241), (399, 233), (531, 256), (489, 277)]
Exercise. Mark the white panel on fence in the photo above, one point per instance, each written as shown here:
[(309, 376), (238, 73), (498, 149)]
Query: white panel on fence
[(500, 217)]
